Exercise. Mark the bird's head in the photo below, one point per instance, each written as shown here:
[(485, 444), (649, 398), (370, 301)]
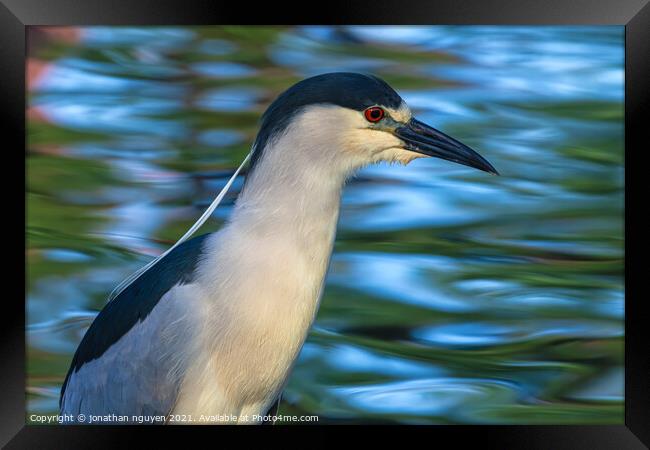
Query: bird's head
[(344, 121)]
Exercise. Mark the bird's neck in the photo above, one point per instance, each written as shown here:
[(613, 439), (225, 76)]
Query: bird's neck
[(292, 193), (288, 208), (281, 233), (265, 270)]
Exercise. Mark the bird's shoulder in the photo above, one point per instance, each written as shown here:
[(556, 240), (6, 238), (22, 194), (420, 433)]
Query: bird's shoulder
[(137, 301)]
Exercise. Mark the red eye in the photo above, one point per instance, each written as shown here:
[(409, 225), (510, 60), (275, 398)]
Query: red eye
[(374, 114)]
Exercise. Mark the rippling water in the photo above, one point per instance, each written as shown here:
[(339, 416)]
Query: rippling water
[(453, 296)]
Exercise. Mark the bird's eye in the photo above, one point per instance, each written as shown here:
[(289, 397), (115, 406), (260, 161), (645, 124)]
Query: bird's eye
[(374, 114)]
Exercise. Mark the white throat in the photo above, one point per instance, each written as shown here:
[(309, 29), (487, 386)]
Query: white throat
[(263, 277)]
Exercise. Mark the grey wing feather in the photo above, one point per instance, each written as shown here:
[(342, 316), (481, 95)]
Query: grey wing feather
[(130, 361), (137, 376)]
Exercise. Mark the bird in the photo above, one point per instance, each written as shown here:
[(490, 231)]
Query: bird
[(212, 331)]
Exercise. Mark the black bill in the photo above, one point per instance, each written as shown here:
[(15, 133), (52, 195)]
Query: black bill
[(421, 138)]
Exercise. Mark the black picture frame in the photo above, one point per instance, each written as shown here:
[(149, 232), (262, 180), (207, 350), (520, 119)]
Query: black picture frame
[(17, 15)]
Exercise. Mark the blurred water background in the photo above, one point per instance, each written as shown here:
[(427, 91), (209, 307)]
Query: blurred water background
[(453, 296)]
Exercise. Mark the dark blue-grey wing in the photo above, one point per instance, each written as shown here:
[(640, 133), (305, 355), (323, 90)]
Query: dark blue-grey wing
[(120, 355)]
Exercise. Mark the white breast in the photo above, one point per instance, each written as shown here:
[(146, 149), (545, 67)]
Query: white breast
[(262, 280), (256, 318)]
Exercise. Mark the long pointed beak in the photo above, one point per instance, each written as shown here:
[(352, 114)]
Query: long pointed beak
[(421, 138)]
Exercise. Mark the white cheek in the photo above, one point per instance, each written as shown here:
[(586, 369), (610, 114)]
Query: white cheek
[(343, 137), (369, 142), (371, 146)]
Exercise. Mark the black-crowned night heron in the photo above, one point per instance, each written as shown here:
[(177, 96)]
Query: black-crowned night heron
[(214, 328)]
